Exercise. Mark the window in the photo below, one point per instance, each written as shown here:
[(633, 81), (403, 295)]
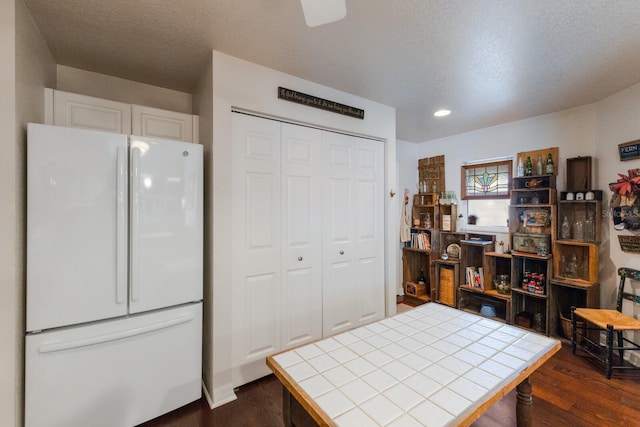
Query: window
[(486, 180), (485, 187)]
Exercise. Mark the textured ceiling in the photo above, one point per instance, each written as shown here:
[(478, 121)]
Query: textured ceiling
[(489, 61)]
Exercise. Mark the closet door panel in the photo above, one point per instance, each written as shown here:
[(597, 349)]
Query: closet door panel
[(339, 269), (369, 229), (301, 235), (256, 271)]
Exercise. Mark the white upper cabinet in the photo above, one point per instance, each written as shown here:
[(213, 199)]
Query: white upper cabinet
[(87, 112), (147, 121)]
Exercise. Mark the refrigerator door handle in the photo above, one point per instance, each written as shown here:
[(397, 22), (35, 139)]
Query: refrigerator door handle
[(127, 333), (121, 225), (134, 224)]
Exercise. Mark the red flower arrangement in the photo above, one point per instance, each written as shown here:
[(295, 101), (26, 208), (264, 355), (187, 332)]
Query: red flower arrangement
[(626, 188), (626, 185)]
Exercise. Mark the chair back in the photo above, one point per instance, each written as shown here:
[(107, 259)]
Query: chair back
[(625, 273)]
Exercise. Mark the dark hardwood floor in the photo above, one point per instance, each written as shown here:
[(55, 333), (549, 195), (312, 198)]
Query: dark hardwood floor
[(568, 391)]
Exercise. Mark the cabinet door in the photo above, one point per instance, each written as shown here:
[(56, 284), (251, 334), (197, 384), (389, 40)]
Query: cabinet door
[(353, 242), (256, 262), (147, 121), (301, 235), (81, 111)]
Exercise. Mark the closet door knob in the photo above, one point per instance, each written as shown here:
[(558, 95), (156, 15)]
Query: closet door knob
[(341, 252), (299, 258)]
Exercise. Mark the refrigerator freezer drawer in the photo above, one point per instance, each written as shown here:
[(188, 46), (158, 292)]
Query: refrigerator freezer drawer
[(115, 373)]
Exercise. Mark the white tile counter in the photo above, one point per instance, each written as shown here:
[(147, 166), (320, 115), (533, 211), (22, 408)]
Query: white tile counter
[(430, 366)]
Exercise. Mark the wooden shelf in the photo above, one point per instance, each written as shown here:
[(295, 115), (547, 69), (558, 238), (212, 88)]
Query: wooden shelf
[(496, 254), (527, 293), (425, 251), (531, 255)]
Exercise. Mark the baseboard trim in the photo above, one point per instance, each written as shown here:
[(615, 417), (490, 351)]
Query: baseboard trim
[(221, 395)]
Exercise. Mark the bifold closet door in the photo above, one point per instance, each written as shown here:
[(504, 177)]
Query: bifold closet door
[(301, 163), (353, 232), (256, 265)]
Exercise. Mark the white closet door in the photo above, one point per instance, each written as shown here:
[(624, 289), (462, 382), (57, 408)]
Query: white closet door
[(301, 235), (369, 230), (353, 232), (339, 268), (256, 245)]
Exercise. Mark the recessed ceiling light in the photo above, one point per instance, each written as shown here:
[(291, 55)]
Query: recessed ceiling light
[(442, 113)]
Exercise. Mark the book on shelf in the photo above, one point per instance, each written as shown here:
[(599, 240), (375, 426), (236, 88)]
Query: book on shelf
[(420, 241), (475, 277)]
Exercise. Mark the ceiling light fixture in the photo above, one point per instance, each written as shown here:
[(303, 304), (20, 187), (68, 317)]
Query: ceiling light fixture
[(320, 12), (442, 113)]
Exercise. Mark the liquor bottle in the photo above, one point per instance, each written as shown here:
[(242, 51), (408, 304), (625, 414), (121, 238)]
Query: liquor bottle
[(421, 279), (565, 229), (549, 166), (520, 167), (539, 166), (528, 167)]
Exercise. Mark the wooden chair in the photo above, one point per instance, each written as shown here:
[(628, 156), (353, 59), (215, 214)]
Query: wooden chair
[(613, 322)]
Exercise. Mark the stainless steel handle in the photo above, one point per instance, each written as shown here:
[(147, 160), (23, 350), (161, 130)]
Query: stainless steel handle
[(341, 252), (299, 258)]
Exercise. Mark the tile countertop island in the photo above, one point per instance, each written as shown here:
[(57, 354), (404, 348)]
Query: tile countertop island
[(430, 366)]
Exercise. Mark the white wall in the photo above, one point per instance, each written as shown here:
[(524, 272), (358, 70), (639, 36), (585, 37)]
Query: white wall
[(10, 280), (116, 89), (240, 84), (26, 67), (203, 107)]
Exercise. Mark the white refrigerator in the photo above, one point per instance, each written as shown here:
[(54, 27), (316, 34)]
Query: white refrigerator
[(114, 277)]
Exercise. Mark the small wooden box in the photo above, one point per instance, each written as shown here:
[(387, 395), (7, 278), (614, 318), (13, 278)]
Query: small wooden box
[(447, 275), (525, 242), (524, 319), (416, 290), (579, 174)]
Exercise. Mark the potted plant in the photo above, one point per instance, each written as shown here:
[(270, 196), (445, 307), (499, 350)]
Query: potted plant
[(500, 247)]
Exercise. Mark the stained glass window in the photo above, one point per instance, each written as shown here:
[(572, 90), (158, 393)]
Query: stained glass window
[(486, 180)]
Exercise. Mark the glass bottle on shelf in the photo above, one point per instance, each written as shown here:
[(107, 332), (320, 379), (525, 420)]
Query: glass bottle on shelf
[(528, 167), (578, 230), (421, 279), (539, 165), (549, 166), (422, 186), (520, 167), (589, 229), (572, 267), (563, 266), (426, 220), (565, 229)]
